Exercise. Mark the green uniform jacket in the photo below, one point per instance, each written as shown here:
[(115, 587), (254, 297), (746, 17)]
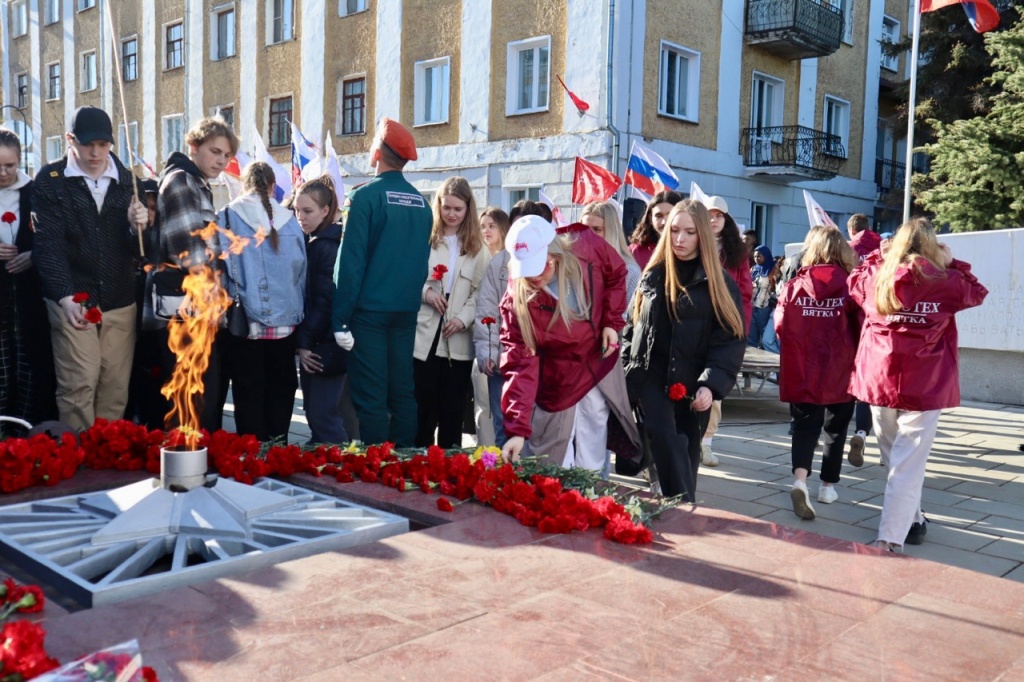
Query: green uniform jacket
[(382, 264)]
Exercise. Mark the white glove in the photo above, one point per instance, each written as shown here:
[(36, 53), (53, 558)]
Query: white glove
[(345, 340)]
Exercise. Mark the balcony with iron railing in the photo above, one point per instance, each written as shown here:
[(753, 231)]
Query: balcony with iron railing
[(792, 153), (794, 29), (889, 176)]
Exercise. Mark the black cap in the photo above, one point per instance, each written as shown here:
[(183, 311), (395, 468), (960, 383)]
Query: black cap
[(89, 124)]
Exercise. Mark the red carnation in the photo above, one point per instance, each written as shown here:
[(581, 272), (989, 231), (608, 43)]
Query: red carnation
[(677, 391), (9, 217), (445, 505), (439, 272), (93, 315), (80, 297), (488, 321)]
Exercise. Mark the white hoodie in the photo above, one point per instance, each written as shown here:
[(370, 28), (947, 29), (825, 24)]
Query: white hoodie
[(10, 202)]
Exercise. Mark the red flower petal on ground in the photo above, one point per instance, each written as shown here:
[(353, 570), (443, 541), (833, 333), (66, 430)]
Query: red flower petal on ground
[(93, 315), (445, 505), (80, 297), (677, 391)]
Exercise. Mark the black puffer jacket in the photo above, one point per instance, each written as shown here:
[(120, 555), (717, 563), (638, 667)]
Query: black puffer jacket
[(321, 255), (703, 353)]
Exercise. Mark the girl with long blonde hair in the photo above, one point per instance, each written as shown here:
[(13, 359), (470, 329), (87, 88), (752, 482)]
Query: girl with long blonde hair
[(684, 344), (907, 365), (443, 352), (603, 218)]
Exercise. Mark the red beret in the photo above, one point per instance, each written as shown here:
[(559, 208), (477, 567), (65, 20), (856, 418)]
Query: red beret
[(397, 136)]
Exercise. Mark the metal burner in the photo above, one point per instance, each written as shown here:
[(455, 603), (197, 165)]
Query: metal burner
[(110, 546)]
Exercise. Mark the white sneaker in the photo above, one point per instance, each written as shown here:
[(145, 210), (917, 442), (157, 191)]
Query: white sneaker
[(708, 458), (801, 501), (827, 494)]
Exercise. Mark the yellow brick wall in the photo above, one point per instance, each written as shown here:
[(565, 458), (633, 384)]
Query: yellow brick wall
[(430, 31)]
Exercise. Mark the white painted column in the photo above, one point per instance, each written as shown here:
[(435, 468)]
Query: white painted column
[(586, 64), (108, 43), (808, 92), (69, 63), (387, 100), (313, 32), (196, 14), (36, 94), (246, 106), (5, 62), (150, 150), (730, 59), (876, 15), (475, 71)]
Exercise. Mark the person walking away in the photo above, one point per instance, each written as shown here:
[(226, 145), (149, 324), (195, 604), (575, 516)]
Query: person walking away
[(487, 379), (818, 325), (645, 235), (864, 241), (907, 364), (684, 344), (84, 248), (378, 289), (321, 362)]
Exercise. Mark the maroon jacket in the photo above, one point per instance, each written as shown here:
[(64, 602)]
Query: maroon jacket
[(642, 253), (818, 324), (568, 361), (864, 242), (746, 285), (909, 361)]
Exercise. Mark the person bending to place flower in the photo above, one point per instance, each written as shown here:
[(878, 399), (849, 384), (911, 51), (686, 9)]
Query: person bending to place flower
[(561, 318), (646, 233), (269, 279), (444, 341), (818, 325), (907, 364), (685, 328)]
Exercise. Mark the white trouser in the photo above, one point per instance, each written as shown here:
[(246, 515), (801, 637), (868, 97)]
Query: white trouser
[(482, 408), (588, 444), (714, 416), (905, 439)]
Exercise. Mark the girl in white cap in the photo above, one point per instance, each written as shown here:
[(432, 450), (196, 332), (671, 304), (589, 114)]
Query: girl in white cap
[(561, 318)]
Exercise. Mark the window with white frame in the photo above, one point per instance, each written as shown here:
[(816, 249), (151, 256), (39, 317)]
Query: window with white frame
[(51, 12), (352, 106), (87, 75), (123, 152), (19, 18), (86, 4), (130, 59), (225, 112), (21, 90), (431, 91), (678, 82), (836, 119), (767, 97), (53, 81), (890, 36), (528, 76), (346, 7), (174, 134), (761, 221), (222, 32), (280, 15), (54, 148), (280, 116), (174, 45), (846, 9), (517, 194)]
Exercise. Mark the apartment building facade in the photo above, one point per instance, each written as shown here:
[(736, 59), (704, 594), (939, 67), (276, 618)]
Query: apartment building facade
[(755, 100)]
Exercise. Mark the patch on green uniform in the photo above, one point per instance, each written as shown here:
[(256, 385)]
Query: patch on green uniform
[(406, 199)]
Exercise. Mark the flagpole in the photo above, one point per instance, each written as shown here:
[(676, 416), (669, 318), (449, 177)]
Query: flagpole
[(911, 104)]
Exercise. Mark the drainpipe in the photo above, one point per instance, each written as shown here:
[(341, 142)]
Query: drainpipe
[(610, 107)]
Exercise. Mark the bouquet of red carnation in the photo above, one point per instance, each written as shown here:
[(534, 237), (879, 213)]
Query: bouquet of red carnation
[(440, 270), (677, 392), (92, 314)]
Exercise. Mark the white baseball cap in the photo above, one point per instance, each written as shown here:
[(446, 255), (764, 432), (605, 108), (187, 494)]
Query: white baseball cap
[(527, 243), (716, 204)]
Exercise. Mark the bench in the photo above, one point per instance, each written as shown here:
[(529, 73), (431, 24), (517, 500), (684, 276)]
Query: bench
[(761, 364)]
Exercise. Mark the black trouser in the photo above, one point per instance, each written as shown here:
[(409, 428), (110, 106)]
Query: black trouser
[(263, 382), (808, 421), (674, 431), (441, 389), (862, 417), (152, 409)]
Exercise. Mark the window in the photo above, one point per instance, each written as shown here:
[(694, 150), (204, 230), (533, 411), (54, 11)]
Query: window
[(890, 36), (228, 114), (279, 21), (679, 82), (54, 148), (174, 46), (51, 12), (174, 134), (123, 152), (222, 40), (19, 18), (526, 90), (87, 77), (130, 59), (517, 194), (353, 107), (280, 116), (837, 122), (846, 8), (431, 91), (766, 100), (346, 7), (86, 4), (53, 78), (761, 216), (21, 93)]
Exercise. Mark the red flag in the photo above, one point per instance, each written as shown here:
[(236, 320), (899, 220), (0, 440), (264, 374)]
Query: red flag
[(590, 182), (580, 104), (982, 15)]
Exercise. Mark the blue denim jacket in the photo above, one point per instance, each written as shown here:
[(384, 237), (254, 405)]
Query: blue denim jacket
[(270, 284)]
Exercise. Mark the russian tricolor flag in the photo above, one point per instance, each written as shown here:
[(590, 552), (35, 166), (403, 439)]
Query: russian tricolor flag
[(303, 152), (982, 15), (648, 172)]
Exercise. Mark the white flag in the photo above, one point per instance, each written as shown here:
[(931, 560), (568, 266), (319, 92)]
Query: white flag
[(815, 213), (282, 176), (556, 215), (697, 194)]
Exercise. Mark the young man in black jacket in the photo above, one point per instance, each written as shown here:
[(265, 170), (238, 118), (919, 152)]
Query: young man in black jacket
[(83, 252)]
